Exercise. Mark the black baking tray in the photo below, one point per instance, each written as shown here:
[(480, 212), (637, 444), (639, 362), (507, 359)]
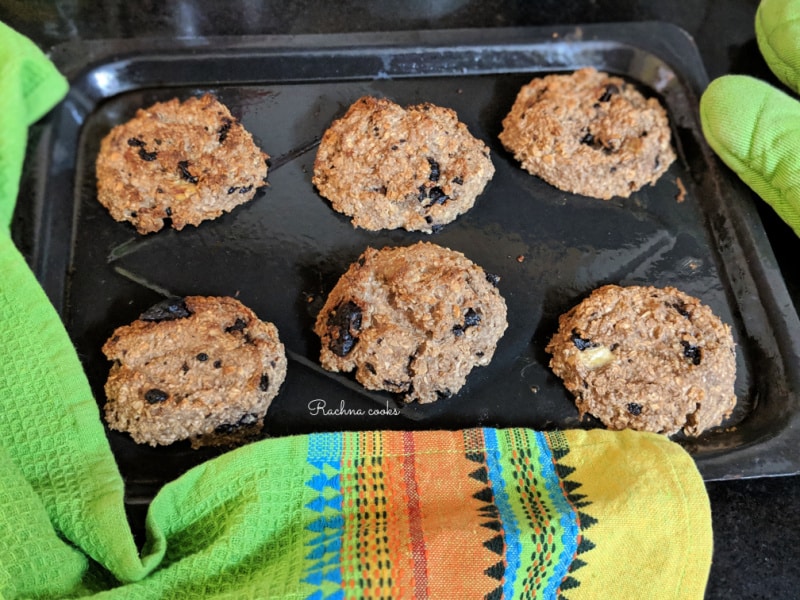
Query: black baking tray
[(281, 253)]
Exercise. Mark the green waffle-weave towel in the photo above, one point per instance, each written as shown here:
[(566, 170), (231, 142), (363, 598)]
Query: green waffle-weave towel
[(476, 513)]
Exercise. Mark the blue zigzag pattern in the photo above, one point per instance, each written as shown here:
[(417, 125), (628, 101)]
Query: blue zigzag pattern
[(325, 548)]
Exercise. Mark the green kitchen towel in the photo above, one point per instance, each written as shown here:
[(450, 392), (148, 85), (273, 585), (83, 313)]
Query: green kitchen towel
[(474, 513), (755, 127), (49, 423)]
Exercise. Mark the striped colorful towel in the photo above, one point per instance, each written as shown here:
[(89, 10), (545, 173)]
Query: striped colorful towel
[(479, 513)]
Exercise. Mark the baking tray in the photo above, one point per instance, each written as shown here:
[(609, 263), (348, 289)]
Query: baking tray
[(281, 253)]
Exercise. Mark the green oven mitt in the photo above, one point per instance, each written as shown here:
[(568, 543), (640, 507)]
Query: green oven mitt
[(753, 126)]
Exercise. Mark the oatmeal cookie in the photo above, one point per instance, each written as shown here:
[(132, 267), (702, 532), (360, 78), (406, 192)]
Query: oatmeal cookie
[(412, 320), (589, 133), (390, 167), (199, 368), (640, 357), (183, 162)]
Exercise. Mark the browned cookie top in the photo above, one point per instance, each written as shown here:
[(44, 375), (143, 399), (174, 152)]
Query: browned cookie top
[(184, 161), (389, 167), (589, 133), (647, 358), (413, 320), (192, 368)]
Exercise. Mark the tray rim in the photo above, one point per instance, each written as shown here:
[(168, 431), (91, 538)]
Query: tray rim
[(82, 60)]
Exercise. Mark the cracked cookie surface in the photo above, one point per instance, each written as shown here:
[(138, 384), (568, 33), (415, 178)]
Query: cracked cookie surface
[(412, 320), (388, 167), (200, 368), (641, 357), (180, 163), (589, 133)]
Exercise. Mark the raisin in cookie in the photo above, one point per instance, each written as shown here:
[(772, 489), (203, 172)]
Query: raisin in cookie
[(412, 320), (187, 162), (589, 133), (389, 167), (647, 358), (199, 368)]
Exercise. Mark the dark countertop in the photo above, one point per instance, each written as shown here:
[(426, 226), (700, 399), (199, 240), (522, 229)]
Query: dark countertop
[(754, 519)]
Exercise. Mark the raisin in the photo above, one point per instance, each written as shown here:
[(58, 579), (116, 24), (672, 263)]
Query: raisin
[(437, 195), (581, 343), (217, 364), (458, 181), (681, 308), (183, 167), (232, 189), (345, 320), (135, 142), (588, 139), (185, 368), (239, 325), (148, 156), (634, 409), (155, 396), (436, 228), (224, 129), (245, 189), (263, 384), (435, 172), (493, 279), (692, 352), (610, 90), (202, 357), (245, 420), (471, 319), (395, 385), (167, 310)]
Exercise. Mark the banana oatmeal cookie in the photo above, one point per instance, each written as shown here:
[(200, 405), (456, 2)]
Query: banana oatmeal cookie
[(647, 358), (390, 167), (412, 320), (180, 163), (199, 368), (589, 133)]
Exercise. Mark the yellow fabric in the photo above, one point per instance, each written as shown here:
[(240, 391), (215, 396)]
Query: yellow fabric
[(672, 529)]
